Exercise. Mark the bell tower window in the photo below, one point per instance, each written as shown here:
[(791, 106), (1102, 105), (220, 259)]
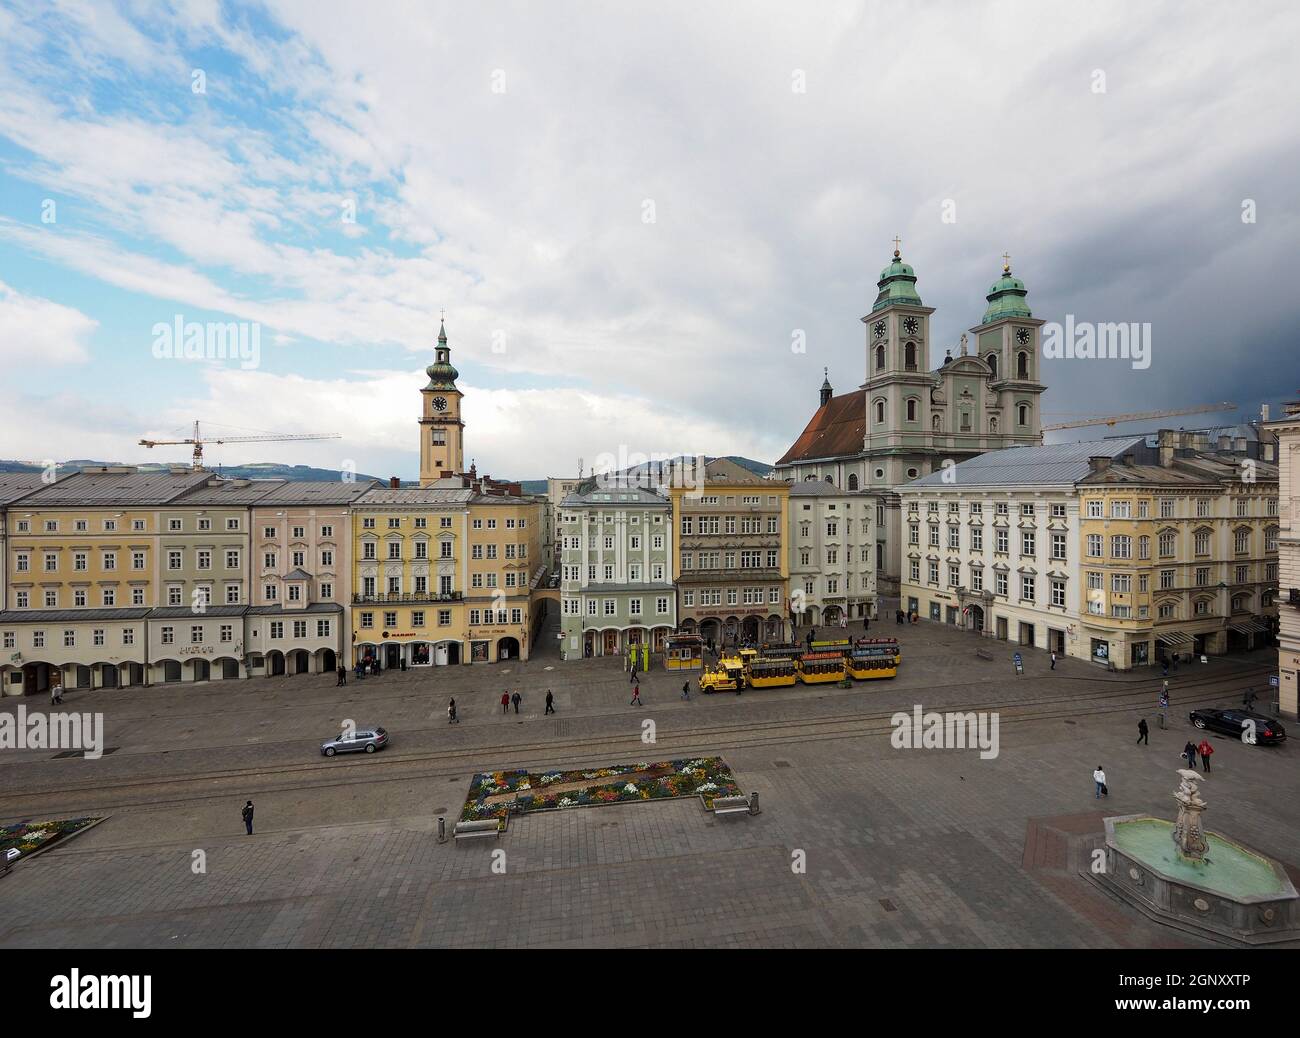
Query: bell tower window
[(1022, 364), (880, 357), (909, 356), (992, 361)]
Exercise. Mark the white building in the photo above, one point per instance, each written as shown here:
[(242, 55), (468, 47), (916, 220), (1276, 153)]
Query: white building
[(833, 553), (1288, 549)]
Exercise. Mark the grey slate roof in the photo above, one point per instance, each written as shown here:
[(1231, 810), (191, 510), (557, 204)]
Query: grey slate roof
[(301, 492), (28, 616), (236, 492), (91, 489), (381, 495), (1059, 464), (279, 610), (14, 485), (820, 488), (613, 496), (185, 612)]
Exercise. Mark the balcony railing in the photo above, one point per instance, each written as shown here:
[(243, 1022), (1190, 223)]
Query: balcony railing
[(407, 596)]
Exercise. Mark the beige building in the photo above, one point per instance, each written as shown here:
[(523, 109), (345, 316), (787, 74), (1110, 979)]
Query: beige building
[(832, 552), (1287, 431)]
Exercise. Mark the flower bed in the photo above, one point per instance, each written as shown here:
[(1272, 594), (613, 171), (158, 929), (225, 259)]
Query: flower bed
[(29, 836), (499, 793)]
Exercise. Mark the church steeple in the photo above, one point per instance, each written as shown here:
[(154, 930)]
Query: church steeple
[(442, 431), (827, 392)]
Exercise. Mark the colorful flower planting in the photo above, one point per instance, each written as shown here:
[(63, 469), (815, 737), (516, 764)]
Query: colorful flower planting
[(29, 836), (499, 793)]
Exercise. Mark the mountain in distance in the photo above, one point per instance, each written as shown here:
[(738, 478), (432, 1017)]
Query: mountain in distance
[(759, 468), (257, 470)]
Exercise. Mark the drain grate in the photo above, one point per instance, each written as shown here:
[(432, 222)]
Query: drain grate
[(888, 905), (782, 763)]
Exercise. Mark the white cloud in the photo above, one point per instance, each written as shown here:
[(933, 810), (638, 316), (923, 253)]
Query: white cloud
[(35, 332)]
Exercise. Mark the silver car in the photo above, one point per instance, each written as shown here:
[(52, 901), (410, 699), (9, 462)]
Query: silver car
[(368, 739)]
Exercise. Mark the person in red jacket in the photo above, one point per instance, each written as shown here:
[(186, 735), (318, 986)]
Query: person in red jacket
[(1205, 749), (505, 702)]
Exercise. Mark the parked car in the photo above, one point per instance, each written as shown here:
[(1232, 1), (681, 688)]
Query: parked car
[(1234, 722), (367, 739)]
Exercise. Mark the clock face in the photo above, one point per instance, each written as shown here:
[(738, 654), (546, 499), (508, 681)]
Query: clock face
[(1022, 336), (879, 329), (910, 325), (440, 403)]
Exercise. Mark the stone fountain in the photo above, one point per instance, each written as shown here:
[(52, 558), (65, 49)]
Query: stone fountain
[(1196, 880)]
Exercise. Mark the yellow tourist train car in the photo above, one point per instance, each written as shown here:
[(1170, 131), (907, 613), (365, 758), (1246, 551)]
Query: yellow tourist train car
[(728, 676), (868, 666), (770, 673), (880, 648), (816, 668)]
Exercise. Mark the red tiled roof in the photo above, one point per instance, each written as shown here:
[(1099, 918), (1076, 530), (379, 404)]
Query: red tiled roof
[(838, 428)]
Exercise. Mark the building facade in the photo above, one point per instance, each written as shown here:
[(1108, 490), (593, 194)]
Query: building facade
[(832, 553), (731, 566), (616, 549), (1287, 433)]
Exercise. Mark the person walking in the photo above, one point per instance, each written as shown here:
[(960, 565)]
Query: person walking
[(505, 702), (1053, 666), (451, 713), (550, 702), (1143, 732), (343, 675), (1206, 749), (1248, 700), (56, 692), (1164, 670), (515, 699), (1189, 752), (247, 814), (636, 696), (866, 624), (686, 689), (1099, 780)]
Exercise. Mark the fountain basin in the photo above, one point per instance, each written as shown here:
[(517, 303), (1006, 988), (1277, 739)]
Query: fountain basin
[(1235, 892)]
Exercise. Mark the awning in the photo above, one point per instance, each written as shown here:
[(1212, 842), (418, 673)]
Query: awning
[(1248, 627), (1175, 638)]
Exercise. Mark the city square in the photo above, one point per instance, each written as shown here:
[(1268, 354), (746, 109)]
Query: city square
[(857, 844)]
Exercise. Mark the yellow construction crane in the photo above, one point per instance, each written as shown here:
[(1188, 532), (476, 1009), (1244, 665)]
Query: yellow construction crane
[(1137, 416), (198, 441)]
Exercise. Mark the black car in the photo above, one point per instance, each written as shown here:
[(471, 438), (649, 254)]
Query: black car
[(1235, 722)]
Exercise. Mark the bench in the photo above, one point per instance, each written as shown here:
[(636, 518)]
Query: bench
[(730, 805), (984, 654), (471, 830)]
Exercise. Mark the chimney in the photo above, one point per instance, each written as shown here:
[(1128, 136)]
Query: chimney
[(1225, 442), (1168, 442), (1263, 412), (1239, 444), (394, 483), (1099, 463)]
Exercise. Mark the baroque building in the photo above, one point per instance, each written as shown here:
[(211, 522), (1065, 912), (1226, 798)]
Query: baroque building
[(907, 419)]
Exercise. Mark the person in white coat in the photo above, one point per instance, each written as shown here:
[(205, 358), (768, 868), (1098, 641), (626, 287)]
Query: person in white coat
[(1099, 777)]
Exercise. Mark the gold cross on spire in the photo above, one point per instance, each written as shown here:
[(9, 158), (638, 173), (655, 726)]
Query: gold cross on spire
[(897, 242), (1006, 263)]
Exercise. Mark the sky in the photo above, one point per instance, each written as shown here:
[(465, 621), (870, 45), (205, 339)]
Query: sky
[(651, 226)]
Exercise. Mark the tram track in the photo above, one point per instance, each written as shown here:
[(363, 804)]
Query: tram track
[(455, 762)]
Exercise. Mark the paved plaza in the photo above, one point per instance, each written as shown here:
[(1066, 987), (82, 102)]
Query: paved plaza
[(857, 844)]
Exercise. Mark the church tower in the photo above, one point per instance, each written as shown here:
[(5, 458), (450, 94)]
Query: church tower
[(1008, 340), (442, 431)]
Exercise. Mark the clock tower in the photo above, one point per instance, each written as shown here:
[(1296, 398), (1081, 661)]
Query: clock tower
[(442, 432)]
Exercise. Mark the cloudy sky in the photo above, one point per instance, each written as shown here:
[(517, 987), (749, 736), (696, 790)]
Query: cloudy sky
[(632, 213)]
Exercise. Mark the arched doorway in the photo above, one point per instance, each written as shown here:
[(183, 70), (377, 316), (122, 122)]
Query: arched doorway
[(749, 629), (134, 674), (108, 675), (298, 661), (171, 671), (446, 654), (392, 653), (832, 615), (328, 661), (274, 663), (37, 677), (589, 645), (227, 667), (975, 618), (83, 676), (508, 648), (609, 643), (200, 670)]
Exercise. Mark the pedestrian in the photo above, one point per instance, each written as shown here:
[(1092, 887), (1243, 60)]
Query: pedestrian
[(1206, 749), (686, 689), (550, 702), (866, 624), (1053, 666), (343, 675), (360, 671), (378, 669), (56, 692), (403, 665), (1248, 700), (1164, 670), (636, 696), (451, 713), (1189, 752), (515, 699), (248, 817), (505, 702), (1099, 778), (1143, 731), (632, 677)]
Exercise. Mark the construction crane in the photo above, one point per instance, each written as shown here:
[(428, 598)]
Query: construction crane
[(198, 441), (1137, 416)]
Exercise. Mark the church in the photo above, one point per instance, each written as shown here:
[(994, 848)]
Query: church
[(907, 420)]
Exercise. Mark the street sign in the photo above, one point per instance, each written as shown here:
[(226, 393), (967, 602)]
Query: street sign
[(1020, 668), (1273, 680)]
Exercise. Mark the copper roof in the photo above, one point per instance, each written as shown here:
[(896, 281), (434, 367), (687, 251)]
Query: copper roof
[(838, 428)]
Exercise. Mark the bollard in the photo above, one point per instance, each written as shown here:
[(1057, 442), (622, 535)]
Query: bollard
[(753, 803), (442, 829)]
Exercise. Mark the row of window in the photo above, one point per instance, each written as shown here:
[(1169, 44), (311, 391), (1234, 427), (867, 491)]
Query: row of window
[(714, 596), (603, 517), (1028, 581), (167, 634), (964, 417), (833, 555), (1204, 508), (609, 606), (421, 584), (417, 618), (203, 559), (705, 525), (298, 533), (1027, 510), (297, 559), (749, 559), (606, 573), (607, 542), (833, 528), (108, 596), (204, 525), (421, 522)]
